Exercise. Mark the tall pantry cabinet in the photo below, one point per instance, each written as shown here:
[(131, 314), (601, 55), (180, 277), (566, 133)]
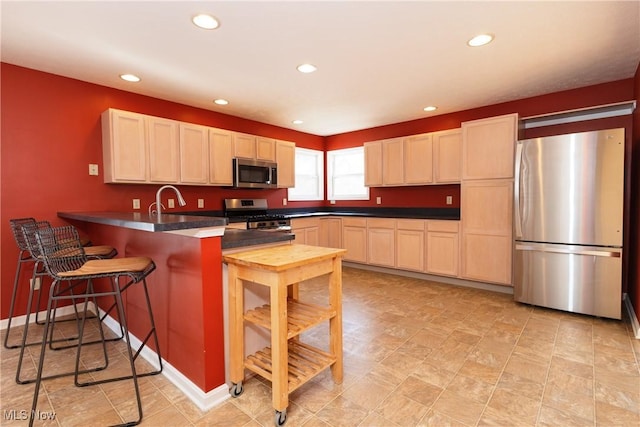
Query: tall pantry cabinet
[(488, 147)]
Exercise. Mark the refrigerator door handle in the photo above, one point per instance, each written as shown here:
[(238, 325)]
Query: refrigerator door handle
[(615, 253), (516, 191)]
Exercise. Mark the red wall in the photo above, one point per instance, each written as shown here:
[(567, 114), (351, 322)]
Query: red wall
[(51, 132), (634, 198)]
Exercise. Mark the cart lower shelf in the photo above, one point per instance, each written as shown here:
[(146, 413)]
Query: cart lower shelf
[(304, 363)]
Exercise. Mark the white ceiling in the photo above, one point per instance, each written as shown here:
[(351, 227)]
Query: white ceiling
[(378, 62)]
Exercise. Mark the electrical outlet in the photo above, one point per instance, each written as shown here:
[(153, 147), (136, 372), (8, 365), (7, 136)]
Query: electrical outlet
[(333, 202), (93, 169), (449, 200), (378, 200), (171, 203), (284, 202), (200, 203), (136, 203), (35, 283)]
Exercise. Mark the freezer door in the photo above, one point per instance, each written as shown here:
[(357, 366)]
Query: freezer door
[(580, 279), (570, 188)]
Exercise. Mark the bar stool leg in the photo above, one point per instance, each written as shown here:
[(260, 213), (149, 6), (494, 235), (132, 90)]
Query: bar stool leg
[(21, 260)]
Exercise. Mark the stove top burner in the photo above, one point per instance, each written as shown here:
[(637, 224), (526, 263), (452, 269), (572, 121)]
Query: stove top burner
[(254, 213)]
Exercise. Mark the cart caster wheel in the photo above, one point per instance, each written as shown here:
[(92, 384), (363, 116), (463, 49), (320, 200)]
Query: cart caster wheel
[(281, 417), (236, 389)]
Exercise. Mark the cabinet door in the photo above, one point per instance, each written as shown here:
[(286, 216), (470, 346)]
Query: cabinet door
[(286, 159), (331, 232), (164, 163), (124, 147), (220, 157), (312, 236), (488, 147), (244, 146), (194, 154), (354, 240), (393, 162), (373, 164), (442, 253), (447, 155), (418, 160), (265, 149), (381, 241), (486, 210), (410, 249)]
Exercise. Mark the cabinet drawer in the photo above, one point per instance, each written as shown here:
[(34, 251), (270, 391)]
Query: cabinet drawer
[(410, 224), (354, 222), (381, 223), (305, 222), (443, 226)]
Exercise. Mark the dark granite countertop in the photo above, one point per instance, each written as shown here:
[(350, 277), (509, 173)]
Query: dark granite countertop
[(235, 238), (146, 222)]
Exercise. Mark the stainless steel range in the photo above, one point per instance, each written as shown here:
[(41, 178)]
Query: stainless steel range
[(255, 214)]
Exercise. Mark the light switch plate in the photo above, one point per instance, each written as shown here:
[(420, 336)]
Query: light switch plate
[(284, 202), (136, 203), (200, 203), (378, 200), (449, 200), (171, 203), (93, 169)]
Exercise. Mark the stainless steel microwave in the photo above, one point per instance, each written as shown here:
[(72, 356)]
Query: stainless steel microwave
[(254, 174)]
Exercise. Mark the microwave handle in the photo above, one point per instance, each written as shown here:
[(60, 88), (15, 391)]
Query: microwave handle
[(273, 176)]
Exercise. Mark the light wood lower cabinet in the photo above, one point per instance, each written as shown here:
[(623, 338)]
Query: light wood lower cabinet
[(442, 247), (354, 239), (487, 230), (307, 231), (410, 244), (381, 242), (331, 232)]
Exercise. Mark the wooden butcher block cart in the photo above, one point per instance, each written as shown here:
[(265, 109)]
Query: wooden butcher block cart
[(288, 363)]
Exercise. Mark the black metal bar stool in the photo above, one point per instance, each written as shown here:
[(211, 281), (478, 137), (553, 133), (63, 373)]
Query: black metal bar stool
[(66, 262)]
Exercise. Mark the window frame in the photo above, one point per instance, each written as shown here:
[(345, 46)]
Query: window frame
[(319, 155), (331, 155)]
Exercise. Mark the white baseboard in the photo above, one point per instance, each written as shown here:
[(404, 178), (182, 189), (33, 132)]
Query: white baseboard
[(203, 400), (632, 315), (424, 276)]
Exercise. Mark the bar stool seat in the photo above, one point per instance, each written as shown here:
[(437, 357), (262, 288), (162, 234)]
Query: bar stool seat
[(66, 261)]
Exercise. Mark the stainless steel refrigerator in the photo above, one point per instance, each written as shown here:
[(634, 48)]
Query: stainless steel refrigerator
[(568, 212)]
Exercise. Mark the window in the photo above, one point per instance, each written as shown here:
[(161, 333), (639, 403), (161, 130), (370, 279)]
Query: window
[(309, 175), (345, 175)]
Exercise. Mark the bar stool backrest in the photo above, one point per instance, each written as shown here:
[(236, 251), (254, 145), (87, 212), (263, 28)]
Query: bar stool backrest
[(29, 236), (16, 228), (61, 249)]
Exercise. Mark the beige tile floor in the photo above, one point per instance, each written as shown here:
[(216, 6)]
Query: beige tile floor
[(416, 353)]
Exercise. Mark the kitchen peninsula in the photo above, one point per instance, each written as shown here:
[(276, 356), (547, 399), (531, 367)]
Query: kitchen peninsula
[(185, 289)]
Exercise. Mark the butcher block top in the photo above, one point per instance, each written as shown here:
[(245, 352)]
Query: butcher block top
[(280, 258)]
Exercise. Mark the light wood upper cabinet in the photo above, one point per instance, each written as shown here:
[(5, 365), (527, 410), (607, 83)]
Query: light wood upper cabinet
[(373, 164), (163, 141), (124, 147), (286, 159), (410, 244), (418, 159), (488, 147), (220, 157), (244, 146), (265, 149), (194, 154), (447, 156), (486, 213), (393, 161)]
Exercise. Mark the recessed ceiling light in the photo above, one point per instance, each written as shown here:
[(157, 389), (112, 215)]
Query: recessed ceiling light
[(130, 77), (205, 21), (430, 108), (480, 40), (221, 101), (297, 122), (307, 68)]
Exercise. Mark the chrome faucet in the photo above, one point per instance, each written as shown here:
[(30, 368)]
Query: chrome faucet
[(159, 205)]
